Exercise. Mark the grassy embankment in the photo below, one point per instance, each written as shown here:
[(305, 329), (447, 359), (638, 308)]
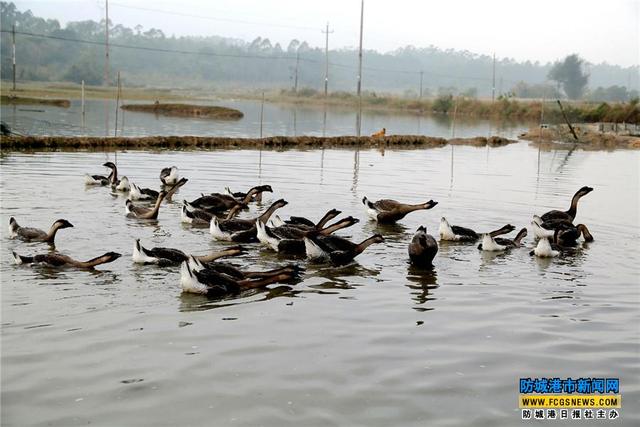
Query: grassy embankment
[(24, 143), (186, 110), (503, 108)]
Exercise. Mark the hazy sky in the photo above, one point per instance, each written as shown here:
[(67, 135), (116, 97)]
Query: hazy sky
[(544, 30)]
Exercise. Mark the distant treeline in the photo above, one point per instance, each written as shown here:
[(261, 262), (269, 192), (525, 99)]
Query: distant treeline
[(225, 63)]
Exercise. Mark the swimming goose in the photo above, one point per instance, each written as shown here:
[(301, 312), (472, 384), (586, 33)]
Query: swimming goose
[(169, 176), (573, 209), (567, 235), (215, 284), (423, 248), (123, 185), (305, 223), (235, 272), (337, 250), (170, 256), (241, 230), (389, 211), (137, 193), (456, 233), (100, 179), (289, 239), (217, 202), (59, 260), (194, 216), (500, 244), (544, 249), (257, 196), (140, 212), (35, 234)]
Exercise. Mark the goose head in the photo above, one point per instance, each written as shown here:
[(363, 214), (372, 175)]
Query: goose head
[(63, 223)]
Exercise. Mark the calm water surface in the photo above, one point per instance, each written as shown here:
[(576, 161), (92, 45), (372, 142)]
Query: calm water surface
[(278, 119), (372, 344)]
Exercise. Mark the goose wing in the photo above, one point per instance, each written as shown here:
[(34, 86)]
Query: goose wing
[(288, 232), (55, 260), (335, 243), (556, 215), (218, 284), (463, 231), (299, 220), (386, 205), (171, 254), (29, 233), (225, 268)]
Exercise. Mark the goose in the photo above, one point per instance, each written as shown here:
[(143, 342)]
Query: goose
[(59, 260), (194, 216), (544, 249), (123, 185), (241, 230), (337, 250), (169, 176), (491, 244), (34, 234), (567, 234), (305, 223), (103, 180), (235, 272), (276, 221), (239, 195), (570, 214), (216, 284), (423, 248), (389, 211), (217, 203), (137, 193), (289, 239), (170, 256), (456, 233), (140, 212)]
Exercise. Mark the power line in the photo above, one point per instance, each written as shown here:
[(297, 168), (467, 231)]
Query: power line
[(240, 56), (212, 18)]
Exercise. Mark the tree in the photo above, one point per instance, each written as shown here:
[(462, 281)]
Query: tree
[(569, 73)]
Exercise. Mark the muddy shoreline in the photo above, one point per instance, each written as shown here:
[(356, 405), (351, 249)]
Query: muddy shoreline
[(26, 143), (22, 100)]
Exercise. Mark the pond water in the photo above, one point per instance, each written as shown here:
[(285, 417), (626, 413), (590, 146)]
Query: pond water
[(278, 119), (375, 343)]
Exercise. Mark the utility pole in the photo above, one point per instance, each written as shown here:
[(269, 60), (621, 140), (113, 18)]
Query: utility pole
[(326, 60), (115, 133), (360, 70), (13, 39), (295, 81), (106, 46), (493, 84), (421, 75)]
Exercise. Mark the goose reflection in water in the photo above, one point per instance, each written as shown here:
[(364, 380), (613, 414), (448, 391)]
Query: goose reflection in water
[(422, 283), (194, 302)]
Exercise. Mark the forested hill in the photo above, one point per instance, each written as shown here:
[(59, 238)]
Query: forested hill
[(148, 57)]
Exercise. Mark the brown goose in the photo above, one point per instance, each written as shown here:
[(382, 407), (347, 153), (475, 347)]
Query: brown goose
[(499, 243), (59, 260), (388, 211), (103, 180), (569, 214), (216, 202), (455, 233), (34, 234), (423, 248), (290, 239), (337, 250), (170, 256), (242, 230), (141, 212), (214, 283)]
